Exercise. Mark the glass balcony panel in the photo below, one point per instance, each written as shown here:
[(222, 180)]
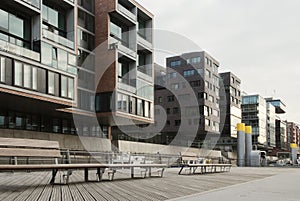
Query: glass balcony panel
[(126, 12), (58, 39), (17, 50), (35, 3)]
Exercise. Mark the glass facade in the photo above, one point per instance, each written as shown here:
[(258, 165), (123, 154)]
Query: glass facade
[(14, 29)]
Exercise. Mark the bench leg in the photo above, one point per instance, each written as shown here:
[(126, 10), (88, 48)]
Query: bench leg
[(100, 172), (180, 170), (162, 172), (86, 174), (132, 172), (54, 172), (149, 171)]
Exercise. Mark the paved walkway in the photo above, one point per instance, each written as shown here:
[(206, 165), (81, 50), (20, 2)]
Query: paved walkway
[(34, 186), (280, 187)]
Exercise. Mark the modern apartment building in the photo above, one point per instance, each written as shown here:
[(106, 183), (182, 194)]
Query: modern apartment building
[(230, 110), (126, 88), (254, 109), (48, 67), (293, 133), (271, 126), (280, 125), (190, 75)]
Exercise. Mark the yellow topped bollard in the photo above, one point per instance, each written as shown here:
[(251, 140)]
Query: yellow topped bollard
[(248, 142), (241, 144)]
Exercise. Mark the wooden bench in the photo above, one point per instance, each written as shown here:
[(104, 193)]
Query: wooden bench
[(191, 163), (14, 148)]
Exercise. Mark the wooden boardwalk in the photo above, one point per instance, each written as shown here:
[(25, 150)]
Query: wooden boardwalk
[(33, 186)]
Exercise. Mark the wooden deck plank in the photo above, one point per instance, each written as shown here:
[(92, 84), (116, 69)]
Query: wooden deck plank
[(35, 186)]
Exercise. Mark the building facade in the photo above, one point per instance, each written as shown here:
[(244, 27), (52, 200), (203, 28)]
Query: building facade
[(230, 110), (254, 109), (125, 64), (281, 137), (48, 70), (190, 75)]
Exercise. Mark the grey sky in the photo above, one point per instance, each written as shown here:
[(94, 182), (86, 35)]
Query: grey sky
[(258, 40)]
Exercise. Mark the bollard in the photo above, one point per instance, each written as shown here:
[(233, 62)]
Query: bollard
[(248, 144), (294, 150), (241, 145)]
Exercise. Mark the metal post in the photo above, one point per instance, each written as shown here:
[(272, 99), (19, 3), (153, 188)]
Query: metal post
[(248, 135), (241, 145), (294, 150)]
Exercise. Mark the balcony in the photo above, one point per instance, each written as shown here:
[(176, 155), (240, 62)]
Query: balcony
[(124, 11), (119, 45), (19, 51), (58, 39), (145, 43), (145, 72), (126, 87), (34, 3)]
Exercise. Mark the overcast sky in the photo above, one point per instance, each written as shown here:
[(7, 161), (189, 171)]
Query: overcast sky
[(258, 40)]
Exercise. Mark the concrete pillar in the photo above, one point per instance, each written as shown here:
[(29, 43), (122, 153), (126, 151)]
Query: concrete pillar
[(241, 145), (294, 150), (248, 144)]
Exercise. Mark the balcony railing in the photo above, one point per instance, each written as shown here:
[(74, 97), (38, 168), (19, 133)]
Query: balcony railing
[(116, 44), (20, 51), (126, 87), (141, 40), (126, 12), (58, 39), (145, 72), (35, 3)]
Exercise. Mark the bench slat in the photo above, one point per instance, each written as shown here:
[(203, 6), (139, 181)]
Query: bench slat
[(18, 152), (33, 143)]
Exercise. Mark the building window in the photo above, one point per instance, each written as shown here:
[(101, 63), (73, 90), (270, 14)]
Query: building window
[(2, 68), (18, 74), (211, 99), (207, 84), (147, 109), (160, 99), (168, 123), (132, 105), (177, 122), (172, 75), (64, 86), (207, 122), (175, 110), (122, 103), (202, 95), (195, 83), (206, 111), (208, 73), (168, 111), (175, 63), (140, 107), (200, 71), (188, 73), (196, 60), (51, 83), (175, 86), (171, 98)]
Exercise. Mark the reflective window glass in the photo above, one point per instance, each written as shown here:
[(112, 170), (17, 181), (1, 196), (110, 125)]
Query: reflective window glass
[(46, 54), (70, 88), (3, 19), (27, 76), (16, 26), (34, 78), (51, 83), (64, 86), (18, 74), (2, 70)]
